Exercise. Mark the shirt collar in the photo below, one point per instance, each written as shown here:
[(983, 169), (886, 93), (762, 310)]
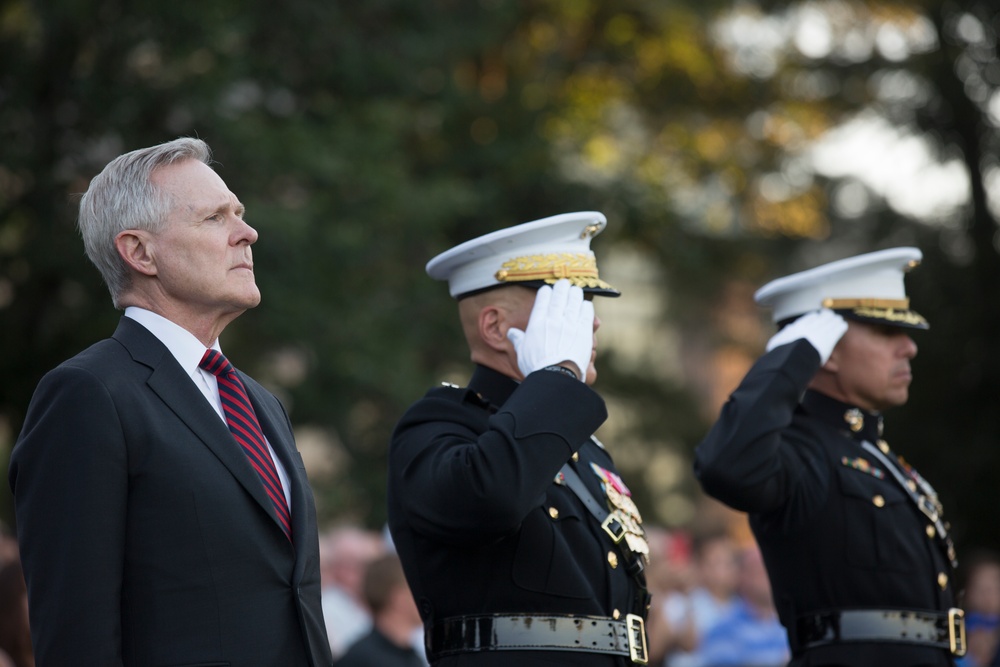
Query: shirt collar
[(181, 343)]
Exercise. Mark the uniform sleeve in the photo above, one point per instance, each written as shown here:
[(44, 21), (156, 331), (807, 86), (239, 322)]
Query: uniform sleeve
[(475, 485), (751, 459), (68, 475)]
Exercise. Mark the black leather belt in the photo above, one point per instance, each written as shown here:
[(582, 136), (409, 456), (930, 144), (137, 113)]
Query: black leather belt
[(926, 628), (528, 632)]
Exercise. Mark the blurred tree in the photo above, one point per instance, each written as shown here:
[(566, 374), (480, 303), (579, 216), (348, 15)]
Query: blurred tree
[(925, 74), (364, 138)]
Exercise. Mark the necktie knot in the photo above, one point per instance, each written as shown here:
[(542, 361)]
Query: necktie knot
[(215, 363)]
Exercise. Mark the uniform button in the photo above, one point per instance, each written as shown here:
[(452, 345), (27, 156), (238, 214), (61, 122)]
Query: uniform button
[(576, 456), (616, 614), (878, 501), (931, 532), (943, 580), (911, 485), (553, 512), (612, 559), (884, 446)]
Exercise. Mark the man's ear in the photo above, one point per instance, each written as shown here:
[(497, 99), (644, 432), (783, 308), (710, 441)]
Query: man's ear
[(135, 249), (493, 327)]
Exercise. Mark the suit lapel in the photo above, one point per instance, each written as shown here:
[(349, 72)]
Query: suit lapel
[(169, 381)]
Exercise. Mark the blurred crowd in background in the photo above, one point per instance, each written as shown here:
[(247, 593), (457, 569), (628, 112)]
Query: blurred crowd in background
[(711, 607), (712, 603)]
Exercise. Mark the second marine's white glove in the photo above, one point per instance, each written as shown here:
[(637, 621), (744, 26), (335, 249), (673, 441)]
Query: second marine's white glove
[(560, 329), (822, 328)]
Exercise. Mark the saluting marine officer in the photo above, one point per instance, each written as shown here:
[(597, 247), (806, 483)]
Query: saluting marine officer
[(858, 555), (519, 539)]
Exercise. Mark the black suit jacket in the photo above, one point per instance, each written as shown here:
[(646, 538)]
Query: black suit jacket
[(836, 530), (145, 534), (480, 521)]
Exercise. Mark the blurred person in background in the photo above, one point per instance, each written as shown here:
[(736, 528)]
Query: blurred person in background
[(690, 613), (981, 602), (394, 615), (519, 539), (9, 550), (15, 632), (345, 552), (860, 560), (164, 515), (668, 572), (747, 633)]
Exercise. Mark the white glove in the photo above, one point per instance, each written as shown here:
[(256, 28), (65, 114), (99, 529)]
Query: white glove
[(822, 328), (560, 329)]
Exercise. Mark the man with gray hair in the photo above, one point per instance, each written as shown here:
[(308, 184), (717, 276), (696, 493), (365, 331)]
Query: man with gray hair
[(163, 511)]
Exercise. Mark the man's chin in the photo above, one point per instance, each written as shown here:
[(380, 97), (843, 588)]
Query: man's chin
[(252, 300), (894, 400)]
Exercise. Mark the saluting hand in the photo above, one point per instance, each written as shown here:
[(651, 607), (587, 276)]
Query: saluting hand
[(560, 330), (822, 328)]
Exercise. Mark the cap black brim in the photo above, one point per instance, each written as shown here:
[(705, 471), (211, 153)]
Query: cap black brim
[(535, 284)]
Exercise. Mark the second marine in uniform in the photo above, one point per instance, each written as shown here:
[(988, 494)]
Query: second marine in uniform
[(858, 554)]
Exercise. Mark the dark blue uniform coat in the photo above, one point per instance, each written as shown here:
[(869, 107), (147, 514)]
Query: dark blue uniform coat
[(481, 524), (836, 530)]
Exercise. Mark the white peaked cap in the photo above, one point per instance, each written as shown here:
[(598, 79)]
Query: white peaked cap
[(867, 287), (531, 254)]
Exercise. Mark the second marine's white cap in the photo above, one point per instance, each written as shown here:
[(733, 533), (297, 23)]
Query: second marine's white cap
[(867, 288)]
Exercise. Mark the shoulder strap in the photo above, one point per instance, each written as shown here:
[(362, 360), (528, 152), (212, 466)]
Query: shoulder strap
[(621, 529), (925, 504)]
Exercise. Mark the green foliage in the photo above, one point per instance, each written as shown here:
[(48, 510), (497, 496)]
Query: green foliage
[(364, 138)]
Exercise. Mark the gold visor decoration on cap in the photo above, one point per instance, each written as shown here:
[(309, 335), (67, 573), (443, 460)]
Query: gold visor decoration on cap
[(840, 304), (890, 310), (579, 268), (892, 315)]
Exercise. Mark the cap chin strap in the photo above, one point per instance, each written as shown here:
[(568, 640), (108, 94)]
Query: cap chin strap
[(893, 311)]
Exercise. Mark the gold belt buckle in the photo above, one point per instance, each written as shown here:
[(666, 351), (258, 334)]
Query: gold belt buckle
[(610, 529), (636, 628), (956, 631)]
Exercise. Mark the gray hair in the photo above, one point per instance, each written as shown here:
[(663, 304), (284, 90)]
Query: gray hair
[(123, 197)]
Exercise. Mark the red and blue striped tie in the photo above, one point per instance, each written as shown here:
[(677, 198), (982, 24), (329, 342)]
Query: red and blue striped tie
[(243, 424)]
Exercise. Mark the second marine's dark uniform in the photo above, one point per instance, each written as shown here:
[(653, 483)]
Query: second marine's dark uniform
[(499, 549), (861, 575)]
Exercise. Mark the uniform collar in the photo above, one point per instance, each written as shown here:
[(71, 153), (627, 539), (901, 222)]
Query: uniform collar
[(859, 424), (492, 386)]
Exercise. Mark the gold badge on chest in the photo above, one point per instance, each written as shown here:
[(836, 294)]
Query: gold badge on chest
[(624, 513)]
